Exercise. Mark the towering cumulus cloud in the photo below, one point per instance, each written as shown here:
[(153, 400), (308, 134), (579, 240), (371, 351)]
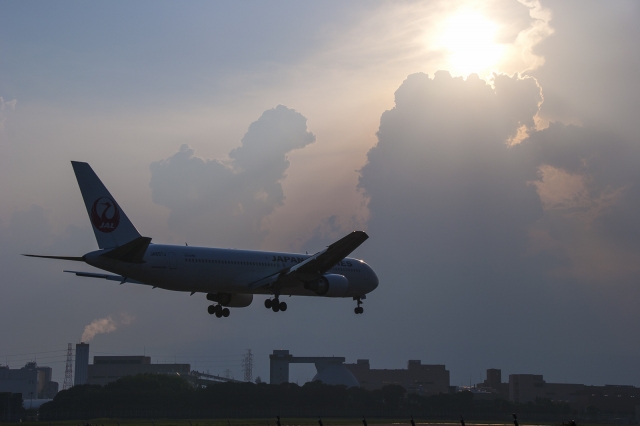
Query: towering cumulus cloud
[(451, 205), (442, 177), (225, 202), (502, 239)]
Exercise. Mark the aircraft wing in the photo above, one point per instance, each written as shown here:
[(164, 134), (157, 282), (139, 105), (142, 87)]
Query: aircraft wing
[(326, 259), (109, 277), (315, 266)]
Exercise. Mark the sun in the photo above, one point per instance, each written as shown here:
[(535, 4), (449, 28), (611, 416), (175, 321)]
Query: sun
[(468, 38)]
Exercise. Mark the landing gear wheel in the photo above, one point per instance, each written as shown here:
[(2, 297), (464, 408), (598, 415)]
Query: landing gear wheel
[(267, 303), (225, 312), (211, 309), (275, 307), (359, 310), (218, 314), (283, 306)]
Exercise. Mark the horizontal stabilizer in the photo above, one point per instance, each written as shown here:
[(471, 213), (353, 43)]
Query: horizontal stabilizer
[(109, 277), (77, 259)]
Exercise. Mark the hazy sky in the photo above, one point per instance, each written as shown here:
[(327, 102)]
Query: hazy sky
[(490, 149)]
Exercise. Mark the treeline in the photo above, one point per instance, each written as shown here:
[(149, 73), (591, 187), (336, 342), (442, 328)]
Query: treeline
[(155, 396), (10, 406)]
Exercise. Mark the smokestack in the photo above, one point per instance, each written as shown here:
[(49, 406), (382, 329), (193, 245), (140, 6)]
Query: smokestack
[(82, 364)]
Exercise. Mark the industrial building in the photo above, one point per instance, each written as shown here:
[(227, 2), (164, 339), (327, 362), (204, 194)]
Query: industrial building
[(106, 369), (330, 370), (423, 379), (493, 384), (31, 381), (417, 378), (523, 388), (82, 364)]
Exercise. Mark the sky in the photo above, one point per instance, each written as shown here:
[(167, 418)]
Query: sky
[(490, 150)]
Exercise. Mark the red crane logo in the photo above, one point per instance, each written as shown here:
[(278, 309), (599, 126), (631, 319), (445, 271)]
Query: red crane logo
[(105, 214)]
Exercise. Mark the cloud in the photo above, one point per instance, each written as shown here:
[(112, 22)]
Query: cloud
[(6, 106), (442, 175), (32, 231), (539, 30), (224, 202), (446, 163), (104, 325), (493, 243), (30, 228), (407, 36), (590, 190), (451, 206)]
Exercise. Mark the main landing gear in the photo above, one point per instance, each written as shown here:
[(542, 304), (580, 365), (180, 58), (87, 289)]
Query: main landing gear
[(359, 309), (275, 305), (218, 310)]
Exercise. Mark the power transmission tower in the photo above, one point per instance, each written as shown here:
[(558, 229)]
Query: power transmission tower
[(68, 371), (247, 366)]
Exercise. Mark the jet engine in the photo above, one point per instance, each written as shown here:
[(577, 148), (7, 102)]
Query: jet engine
[(330, 285), (231, 300)]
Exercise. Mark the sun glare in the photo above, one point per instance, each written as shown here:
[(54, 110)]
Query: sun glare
[(469, 40)]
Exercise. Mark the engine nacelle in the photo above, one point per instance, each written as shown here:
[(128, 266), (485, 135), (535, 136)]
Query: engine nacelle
[(231, 300), (330, 285)]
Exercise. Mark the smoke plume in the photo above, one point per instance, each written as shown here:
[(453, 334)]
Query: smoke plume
[(104, 325)]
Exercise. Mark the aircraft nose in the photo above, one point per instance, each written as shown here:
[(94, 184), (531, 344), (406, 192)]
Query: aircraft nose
[(373, 281)]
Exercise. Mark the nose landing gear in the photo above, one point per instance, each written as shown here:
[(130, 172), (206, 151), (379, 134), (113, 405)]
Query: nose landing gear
[(359, 309), (275, 304), (218, 310)]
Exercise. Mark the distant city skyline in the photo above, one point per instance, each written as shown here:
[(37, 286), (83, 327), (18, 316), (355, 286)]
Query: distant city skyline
[(299, 373)]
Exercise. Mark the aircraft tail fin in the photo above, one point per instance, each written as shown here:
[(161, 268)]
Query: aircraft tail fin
[(110, 224)]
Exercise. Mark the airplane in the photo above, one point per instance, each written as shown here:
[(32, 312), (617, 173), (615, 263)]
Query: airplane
[(229, 277)]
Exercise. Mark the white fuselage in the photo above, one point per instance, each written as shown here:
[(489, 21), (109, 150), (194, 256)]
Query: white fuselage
[(213, 270)]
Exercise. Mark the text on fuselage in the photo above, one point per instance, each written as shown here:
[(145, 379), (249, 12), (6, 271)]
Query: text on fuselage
[(285, 259)]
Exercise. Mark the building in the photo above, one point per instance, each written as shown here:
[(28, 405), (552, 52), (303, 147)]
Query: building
[(525, 388), (31, 381), (107, 369), (493, 385), (424, 379), (82, 364), (529, 387), (330, 370), (610, 400)]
